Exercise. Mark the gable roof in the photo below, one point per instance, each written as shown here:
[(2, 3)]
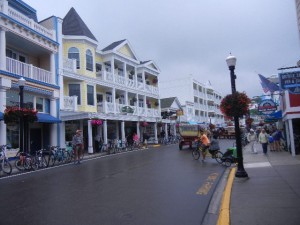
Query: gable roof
[(74, 25), (150, 64), (113, 45), (167, 102)]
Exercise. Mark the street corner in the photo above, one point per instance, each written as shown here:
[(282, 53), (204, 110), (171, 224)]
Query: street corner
[(224, 214)]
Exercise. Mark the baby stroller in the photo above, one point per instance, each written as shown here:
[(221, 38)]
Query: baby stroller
[(229, 156)]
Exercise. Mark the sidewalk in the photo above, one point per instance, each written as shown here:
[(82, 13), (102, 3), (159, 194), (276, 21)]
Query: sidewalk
[(271, 195)]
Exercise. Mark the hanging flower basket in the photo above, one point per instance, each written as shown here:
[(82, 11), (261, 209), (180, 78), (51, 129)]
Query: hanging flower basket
[(235, 105), (177, 124), (154, 81), (13, 115), (156, 104), (144, 124), (96, 122)]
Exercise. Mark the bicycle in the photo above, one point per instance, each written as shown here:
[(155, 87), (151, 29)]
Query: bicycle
[(72, 155), (39, 160), (24, 161), (215, 154), (59, 155), (5, 165)]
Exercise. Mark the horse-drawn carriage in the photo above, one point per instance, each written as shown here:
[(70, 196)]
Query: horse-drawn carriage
[(188, 134)]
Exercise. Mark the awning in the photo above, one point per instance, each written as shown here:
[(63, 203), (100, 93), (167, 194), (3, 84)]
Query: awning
[(47, 118), (1, 115), (275, 115)]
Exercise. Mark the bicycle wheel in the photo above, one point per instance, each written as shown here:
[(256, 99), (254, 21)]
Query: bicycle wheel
[(227, 162), (66, 157), (218, 157), (19, 164), (196, 154), (52, 159), (34, 162), (6, 167)]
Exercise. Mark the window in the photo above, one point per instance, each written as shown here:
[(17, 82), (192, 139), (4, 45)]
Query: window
[(74, 54), (74, 89), (89, 60), (39, 104), (90, 95), (98, 67)]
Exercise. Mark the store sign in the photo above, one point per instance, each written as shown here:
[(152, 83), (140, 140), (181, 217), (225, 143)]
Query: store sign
[(290, 81), (267, 107)]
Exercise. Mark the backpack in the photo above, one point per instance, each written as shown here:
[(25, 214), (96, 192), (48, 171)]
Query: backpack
[(271, 139)]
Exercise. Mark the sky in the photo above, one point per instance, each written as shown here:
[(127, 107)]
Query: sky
[(194, 37)]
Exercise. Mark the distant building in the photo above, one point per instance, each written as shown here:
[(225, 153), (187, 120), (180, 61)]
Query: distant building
[(200, 102)]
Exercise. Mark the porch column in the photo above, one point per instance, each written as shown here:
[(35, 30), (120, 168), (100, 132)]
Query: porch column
[(52, 68), (114, 99), (126, 98), (174, 129), (105, 132), (90, 137), (62, 127), (4, 85), (112, 64), (155, 133), (124, 70), (2, 49), (166, 131), (53, 126), (291, 131), (138, 132), (123, 130)]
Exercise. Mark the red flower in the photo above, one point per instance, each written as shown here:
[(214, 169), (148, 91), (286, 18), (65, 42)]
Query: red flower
[(235, 105), (12, 114)]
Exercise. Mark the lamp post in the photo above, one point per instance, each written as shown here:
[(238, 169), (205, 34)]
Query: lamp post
[(21, 83), (231, 62)]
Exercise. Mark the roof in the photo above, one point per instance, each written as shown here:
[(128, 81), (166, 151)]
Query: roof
[(167, 102), (113, 45), (74, 25)]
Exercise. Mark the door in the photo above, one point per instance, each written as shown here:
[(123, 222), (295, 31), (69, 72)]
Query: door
[(35, 139)]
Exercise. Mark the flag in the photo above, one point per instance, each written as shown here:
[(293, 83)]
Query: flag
[(267, 85)]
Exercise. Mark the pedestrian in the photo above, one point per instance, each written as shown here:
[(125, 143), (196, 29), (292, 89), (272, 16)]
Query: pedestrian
[(271, 141), (277, 139), (204, 144), (145, 139), (214, 144), (162, 136), (264, 139), (78, 146), (252, 139)]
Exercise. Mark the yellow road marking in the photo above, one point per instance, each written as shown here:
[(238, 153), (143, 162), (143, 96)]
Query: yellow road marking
[(205, 188)]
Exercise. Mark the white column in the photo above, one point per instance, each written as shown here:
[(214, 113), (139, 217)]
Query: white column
[(90, 138), (138, 132), (291, 131), (145, 103), (166, 131), (112, 63), (62, 127), (2, 49), (52, 68), (126, 98), (53, 126), (174, 129), (105, 131), (124, 70), (4, 85), (155, 133), (114, 99), (123, 130)]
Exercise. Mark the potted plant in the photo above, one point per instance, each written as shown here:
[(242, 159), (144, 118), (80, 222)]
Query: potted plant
[(154, 81), (96, 122), (156, 104), (144, 124), (236, 104), (134, 99), (13, 114)]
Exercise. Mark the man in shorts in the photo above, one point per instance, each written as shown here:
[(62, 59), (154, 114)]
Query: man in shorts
[(204, 144), (77, 143)]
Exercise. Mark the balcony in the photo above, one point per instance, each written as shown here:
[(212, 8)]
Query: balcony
[(70, 103), (23, 19), (28, 70)]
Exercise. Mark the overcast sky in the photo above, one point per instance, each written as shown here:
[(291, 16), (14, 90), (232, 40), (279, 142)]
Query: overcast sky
[(195, 36)]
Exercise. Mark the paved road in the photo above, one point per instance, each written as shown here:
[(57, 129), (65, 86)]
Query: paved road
[(156, 186)]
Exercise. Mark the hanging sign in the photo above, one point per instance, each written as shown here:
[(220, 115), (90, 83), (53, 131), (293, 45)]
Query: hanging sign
[(267, 106), (290, 81)]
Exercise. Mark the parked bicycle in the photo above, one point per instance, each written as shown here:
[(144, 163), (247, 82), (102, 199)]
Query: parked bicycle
[(59, 155), (215, 154), (5, 165), (39, 160), (24, 161)]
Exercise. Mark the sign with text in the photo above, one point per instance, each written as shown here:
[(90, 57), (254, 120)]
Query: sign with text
[(267, 106), (290, 81)]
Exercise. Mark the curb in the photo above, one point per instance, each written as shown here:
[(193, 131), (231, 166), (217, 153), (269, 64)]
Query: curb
[(224, 216)]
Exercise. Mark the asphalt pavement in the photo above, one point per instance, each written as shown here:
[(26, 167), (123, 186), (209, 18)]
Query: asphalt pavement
[(271, 194)]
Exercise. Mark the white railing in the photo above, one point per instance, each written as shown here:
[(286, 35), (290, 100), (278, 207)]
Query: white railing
[(70, 103), (130, 83), (109, 76), (120, 80), (27, 70), (109, 107), (28, 22), (69, 64)]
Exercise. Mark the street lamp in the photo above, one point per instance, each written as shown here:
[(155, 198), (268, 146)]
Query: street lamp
[(231, 62), (21, 83)]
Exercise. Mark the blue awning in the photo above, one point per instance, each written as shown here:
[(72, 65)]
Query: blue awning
[(1, 115), (47, 118), (276, 115)]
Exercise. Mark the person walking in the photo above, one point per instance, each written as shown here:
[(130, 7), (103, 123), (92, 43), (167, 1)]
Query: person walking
[(264, 139), (252, 139), (77, 143)]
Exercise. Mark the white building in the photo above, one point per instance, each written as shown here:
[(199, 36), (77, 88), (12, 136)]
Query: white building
[(200, 102)]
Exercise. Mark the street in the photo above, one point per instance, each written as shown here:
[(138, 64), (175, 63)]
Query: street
[(156, 186)]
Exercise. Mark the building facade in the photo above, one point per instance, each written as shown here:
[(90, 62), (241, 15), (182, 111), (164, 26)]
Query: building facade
[(112, 85), (200, 102), (29, 50)]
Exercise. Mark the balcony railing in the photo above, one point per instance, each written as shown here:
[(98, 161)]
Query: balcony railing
[(70, 103), (28, 70), (23, 19)]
